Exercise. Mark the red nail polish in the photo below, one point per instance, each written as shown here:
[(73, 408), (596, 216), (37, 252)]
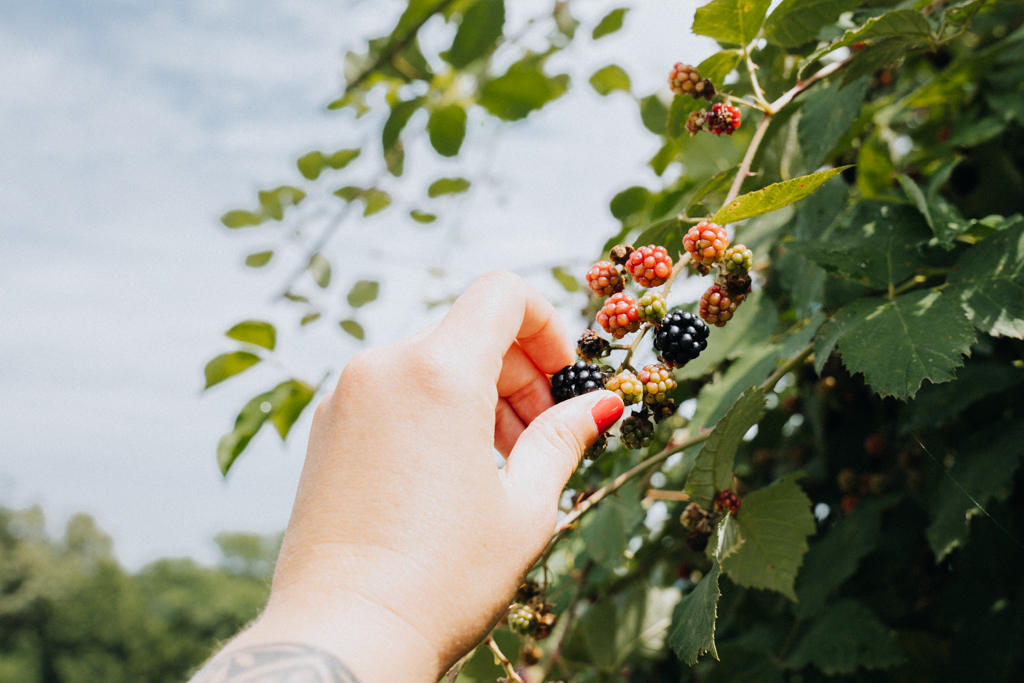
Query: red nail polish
[(606, 412)]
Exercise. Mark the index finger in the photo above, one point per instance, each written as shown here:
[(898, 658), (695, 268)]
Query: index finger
[(498, 309)]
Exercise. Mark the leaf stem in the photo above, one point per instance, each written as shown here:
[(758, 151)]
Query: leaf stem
[(745, 103), (509, 669), (788, 96), (752, 70), (800, 357), (748, 159)]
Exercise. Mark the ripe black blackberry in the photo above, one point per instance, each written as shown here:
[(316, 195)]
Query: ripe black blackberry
[(575, 380), (680, 338)]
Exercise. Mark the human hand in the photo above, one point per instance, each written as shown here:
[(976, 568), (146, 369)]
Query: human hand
[(406, 543)]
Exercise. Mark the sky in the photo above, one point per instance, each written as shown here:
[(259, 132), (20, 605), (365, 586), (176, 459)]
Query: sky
[(127, 129)]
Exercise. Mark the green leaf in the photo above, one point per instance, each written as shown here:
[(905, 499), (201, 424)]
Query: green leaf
[(875, 57), (611, 23), (725, 540), (608, 531), (826, 117), (310, 165), (693, 620), (751, 368), (258, 259), (228, 365), (291, 398), (349, 192), (376, 200), (875, 244), (353, 328), (825, 343), (713, 469), (521, 90), (610, 78), (730, 21), (664, 233), (447, 129), (719, 65), (400, 115), (296, 297), (568, 282), (678, 112), (718, 183), (564, 20), (754, 323), (977, 379), (795, 22), (846, 637), (665, 156), (241, 219), (422, 216), (654, 114), (988, 280), (774, 524), (479, 31), (447, 186), (985, 473), (342, 158), (773, 197), (320, 269), (309, 318), (874, 168), (275, 201), (363, 292), (906, 23), (282, 405), (630, 201), (254, 332), (900, 343)]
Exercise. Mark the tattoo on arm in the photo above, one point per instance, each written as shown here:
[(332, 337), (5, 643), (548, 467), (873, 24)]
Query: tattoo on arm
[(277, 663)]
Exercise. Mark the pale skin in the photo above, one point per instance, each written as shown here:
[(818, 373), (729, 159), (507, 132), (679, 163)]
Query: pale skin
[(406, 542)]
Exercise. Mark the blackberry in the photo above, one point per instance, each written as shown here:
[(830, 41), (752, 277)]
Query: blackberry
[(723, 119), (597, 448), (652, 307), (657, 381), (522, 619), (696, 518), (680, 338), (604, 278), (528, 590), (738, 259), (682, 79), (695, 122), (592, 346), (629, 388), (575, 380), (636, 431), (664, 410), (704, 88), (717, 307), (727, 502), (736, 285), (619, 316), (706, 243), (620, 253), (650, 266)]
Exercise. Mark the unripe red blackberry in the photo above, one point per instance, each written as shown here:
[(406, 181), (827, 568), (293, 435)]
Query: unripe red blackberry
[(657, 381), (521, 619), (629, 388), (680, 338), (717, 307), (619, 316), (604, 278), (738, 259), (592, 346), (682, 79), (620, 253), (723, 119), (575, 380), (652, 307), (597, 449), (706, 243), (650, 266), (636, 431), (727, 502)]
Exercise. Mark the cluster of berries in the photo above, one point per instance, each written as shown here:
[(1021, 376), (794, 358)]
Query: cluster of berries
[(708, 246), (530, 614), (721, 119), (701, 522)]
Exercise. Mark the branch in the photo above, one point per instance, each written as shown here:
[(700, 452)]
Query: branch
[(748, 159), (509, 669), (800, 357), (569, 613), (752, 70), (788, 96)]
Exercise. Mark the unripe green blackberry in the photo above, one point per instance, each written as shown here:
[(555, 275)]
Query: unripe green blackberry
[(521, 619), (575, 380), (652, 307), (657, 381), (738, 259), (636, 432), (592, 346), (629, 388), (597, 448)]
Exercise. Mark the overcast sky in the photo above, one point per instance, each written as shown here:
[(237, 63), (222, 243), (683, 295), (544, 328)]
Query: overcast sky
[(127, 128)]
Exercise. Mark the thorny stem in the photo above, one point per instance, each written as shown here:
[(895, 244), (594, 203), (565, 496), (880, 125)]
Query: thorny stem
[(633, 347), (570, 613), (748, 159), (509, 669), (456, 669), (752, 70)]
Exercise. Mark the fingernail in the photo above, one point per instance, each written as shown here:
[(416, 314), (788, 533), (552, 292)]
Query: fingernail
[(606, 412)]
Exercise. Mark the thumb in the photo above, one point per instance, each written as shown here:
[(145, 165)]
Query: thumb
[(549, 450)]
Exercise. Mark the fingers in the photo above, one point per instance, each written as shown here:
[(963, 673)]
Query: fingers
[(498, 309), (507, 427)]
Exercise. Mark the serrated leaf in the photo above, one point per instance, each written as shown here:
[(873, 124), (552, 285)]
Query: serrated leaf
[(353, 328), (310, 165), (568, 282), (719, 65), (363, 292), (654, 114), (977, 379), (795, 22), (610, 23), (342, 158), (254, 332), (258, 259), (228, 365), (693, 619), (447, 129), (630, 201), (667, 233), (752, 326), (944, 220), (291, 398), (751, 368), (521, 90), (773, 197), (847, 637), (275, 201), (717, 183), (422, 216), (898, 344), (608, 531), (826, 117), (774, 524), (376, 200), (320, 268), (988, 280), (875, 57), (610, 78), (241, 219), (447, 186), (906, 23), (713, 469), (984, 473), (730, 21), (725, 540), (825, 343), (401, 112), (478, 33)]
